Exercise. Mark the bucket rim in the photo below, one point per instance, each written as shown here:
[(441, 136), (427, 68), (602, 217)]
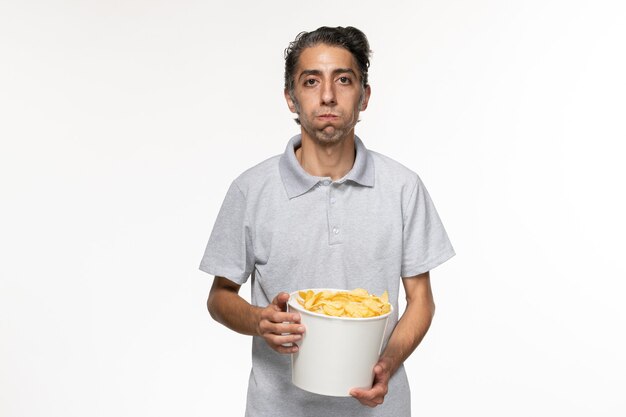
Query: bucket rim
[(293, 303)]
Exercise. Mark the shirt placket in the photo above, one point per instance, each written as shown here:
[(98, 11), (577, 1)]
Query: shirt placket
[(335, 226)]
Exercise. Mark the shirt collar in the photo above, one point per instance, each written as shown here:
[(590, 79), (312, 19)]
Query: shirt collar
[(297, 181)]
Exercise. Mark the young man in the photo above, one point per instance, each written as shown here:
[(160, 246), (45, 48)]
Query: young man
[(328, 213)]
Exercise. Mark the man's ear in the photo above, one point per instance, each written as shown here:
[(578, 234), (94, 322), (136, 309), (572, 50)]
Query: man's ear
[(366, 97), (290, 103)]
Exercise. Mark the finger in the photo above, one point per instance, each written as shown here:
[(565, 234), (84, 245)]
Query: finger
[(281, 300), (271, 331), (283, 339), (285, 349), (282, 317), (374, 395), (381, 374), (283, 328), (362, 395), (380, 368), (371, 403), (281, 297), (369, 394), (268, 328), (380, 389), (358, 394)]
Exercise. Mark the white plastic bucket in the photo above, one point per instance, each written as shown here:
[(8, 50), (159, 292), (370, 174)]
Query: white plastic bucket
[(336, 354)]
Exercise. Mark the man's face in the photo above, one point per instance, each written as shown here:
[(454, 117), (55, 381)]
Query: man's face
[(327, 95)]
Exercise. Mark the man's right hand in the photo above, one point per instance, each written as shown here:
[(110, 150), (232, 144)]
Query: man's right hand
[(278, 327)]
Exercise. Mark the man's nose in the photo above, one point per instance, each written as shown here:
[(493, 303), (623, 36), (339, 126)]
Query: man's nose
[(328, 94)]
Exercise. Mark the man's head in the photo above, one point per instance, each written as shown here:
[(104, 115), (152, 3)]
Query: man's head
[(349, 38), (326, 80)]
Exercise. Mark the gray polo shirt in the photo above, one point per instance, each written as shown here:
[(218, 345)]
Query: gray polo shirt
[(289, 230)]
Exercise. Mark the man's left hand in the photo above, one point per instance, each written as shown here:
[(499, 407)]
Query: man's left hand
[(376, 395)]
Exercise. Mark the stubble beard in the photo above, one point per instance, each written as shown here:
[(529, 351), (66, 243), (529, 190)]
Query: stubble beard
[(329, 135)]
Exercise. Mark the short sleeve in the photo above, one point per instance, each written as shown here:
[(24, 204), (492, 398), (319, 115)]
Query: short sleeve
[(229, 253), (425, 241)]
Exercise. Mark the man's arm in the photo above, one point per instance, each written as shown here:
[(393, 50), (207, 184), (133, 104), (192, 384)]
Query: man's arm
[(227, 307), (407, 335)]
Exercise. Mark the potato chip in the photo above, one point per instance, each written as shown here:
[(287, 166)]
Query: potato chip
[(360, 292), (357, 303), (332, 311)]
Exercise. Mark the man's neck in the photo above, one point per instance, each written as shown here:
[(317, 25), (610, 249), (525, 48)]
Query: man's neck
[(327, 160)]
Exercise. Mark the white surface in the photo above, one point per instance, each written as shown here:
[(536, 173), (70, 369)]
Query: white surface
[(123, 123), (336, 354)]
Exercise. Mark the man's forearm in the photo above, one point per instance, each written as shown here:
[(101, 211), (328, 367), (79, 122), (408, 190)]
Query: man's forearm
[(278, 328), (227, 307), (409, 332)]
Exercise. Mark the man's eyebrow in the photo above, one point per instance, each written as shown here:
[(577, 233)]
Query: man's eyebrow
[(344, 70), (318, 72), (309, 72)]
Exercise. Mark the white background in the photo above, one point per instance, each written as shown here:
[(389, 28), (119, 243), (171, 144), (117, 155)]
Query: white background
[(122, 123)]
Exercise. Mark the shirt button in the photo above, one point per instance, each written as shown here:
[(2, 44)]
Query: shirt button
[(326, 182), (336, 230), (332, 200)]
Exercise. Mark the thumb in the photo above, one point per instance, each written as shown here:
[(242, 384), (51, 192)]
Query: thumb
[(381, 371), (281, 300)]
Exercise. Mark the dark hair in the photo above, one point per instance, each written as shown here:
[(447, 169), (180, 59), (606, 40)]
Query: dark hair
[(349, 38)]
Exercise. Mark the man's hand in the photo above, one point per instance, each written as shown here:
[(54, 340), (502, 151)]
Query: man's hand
[(272, 323), (278, 327), (405, 337), (376, 395)]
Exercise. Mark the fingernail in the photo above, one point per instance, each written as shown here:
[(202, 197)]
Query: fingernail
[(297, 337), (301, 329)]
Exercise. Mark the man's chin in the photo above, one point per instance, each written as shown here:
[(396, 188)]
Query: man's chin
[(330, 136), (326, 134)]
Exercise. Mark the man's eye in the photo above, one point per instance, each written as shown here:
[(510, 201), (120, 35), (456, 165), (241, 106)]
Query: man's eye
[(310, 81), (344, 80)]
